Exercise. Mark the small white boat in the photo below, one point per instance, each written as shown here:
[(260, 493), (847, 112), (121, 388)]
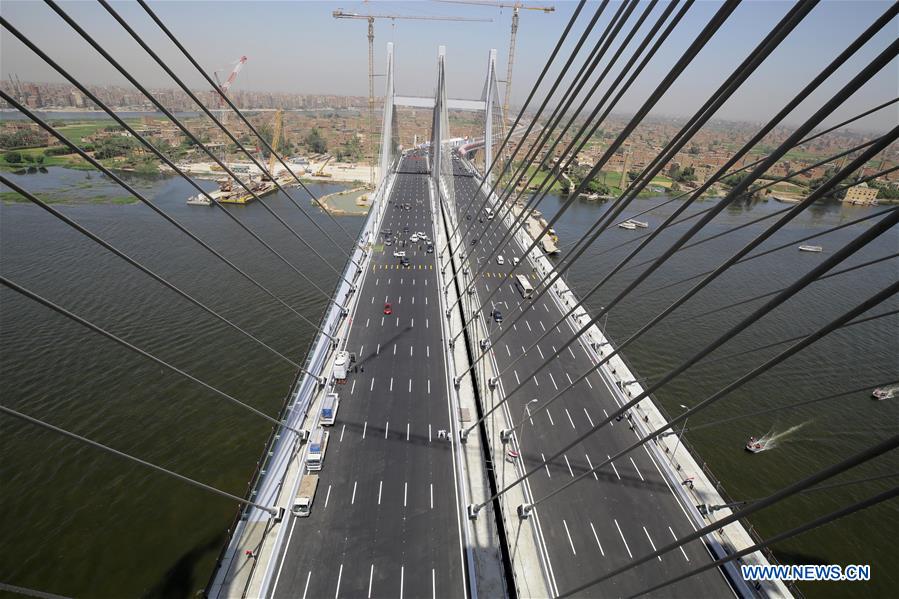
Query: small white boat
[(811, 248), (199, 200), (627, 225), (640, 223), (755, 445), (881, 393)]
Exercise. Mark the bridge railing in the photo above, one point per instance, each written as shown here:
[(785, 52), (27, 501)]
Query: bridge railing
[(297, 400)]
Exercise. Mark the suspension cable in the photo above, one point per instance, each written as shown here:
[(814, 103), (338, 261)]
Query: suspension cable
[(113, 337), (796, 404), (93, 43), (93, 162), (790, 21), (817, 522), (776, 291), (882, 142), (129, 457), (849, 249), (715, 397), (43, 55), (660, 160), (737, 171), (549, 94), (34, 200), (506, 206)]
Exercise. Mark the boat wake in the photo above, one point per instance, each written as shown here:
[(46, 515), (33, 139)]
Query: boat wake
[(773, 439)]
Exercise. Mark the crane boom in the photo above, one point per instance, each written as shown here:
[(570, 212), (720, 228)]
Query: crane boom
[(276, 137)]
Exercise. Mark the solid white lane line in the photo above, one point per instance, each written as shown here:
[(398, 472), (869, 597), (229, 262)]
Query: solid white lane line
[(545, 465), (342, 430), (607, 415), (353, 498), (544, 328), (410, 385), (386, 428), (427, 323), (539, 350), (366, 322), (570, 382), (651, 543), (522, 350), (570, 471), (328, 496), (529, 414), (608, 457), (536, 381), (306, 588), (507, 351), (380, 488), (553, 379), (378, 350), (433, 584), (590, 420), (550, 416), (638, 470), (623, 539), (364, 428), (674, 536), (427, 351), (596, 536), (407, 431), (429, 386), (371, 576), (588, 383), (372, 386), (382, 321), (402, 572), (570, 542), (589, 463), (394, 349), (515, 372), (429, 434), (373, 298), (571, 352), (405, 493), (432, 496), (411, 347), (339, 576), (529, 326), (353, 387), (391, 383), (361, 350)]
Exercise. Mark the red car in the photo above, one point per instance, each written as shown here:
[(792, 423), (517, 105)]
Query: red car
[(388, 309)]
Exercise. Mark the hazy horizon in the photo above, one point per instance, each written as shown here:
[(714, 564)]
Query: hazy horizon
[(329, 56)]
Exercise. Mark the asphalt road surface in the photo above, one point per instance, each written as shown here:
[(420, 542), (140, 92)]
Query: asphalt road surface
[(626, 509), (386, 518)]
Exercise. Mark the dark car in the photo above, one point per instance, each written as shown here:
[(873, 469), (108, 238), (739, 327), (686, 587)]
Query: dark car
[(474, 241), (497, 316)]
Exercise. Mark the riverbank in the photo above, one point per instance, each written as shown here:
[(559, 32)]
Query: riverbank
[(350, 202)]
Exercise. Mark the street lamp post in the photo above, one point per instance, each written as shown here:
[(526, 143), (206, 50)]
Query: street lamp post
[(676, 445)]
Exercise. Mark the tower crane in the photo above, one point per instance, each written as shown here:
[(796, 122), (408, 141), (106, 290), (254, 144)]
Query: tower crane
[(516, 7), (340, 14), (276, 137)]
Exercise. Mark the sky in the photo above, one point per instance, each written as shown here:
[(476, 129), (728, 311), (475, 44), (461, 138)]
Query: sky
[(299, 47)]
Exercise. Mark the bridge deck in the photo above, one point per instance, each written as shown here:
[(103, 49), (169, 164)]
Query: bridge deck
[(386, 516), (624, 510)]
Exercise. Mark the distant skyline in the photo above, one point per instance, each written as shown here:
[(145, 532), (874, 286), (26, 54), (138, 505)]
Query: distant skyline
[(298, 47)]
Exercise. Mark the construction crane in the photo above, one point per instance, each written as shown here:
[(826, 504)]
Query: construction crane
[(340, 14), (276, 137), (224, 87), (321, 170), (516, 7)]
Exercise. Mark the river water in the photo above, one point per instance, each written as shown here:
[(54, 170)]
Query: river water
[(83, 523)]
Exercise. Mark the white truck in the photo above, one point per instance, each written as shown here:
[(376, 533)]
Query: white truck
[(302, 503), (341, 363), (329, 409), (315, 455)]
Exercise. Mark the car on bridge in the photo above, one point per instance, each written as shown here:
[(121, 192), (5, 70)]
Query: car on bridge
[(399, 254), (500, 260), (388, 309), (497, 316)]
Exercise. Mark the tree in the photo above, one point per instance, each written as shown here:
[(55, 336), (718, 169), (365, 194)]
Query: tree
[(315, 142), (13, 157)]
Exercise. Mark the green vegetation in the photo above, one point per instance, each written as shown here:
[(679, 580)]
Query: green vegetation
[(13, 197), (315, 142), (351, 151)]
